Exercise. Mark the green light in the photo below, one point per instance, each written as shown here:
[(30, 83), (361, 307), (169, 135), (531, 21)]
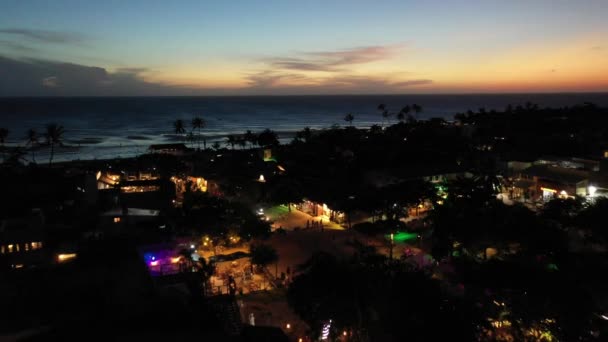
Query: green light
[(402, 236), (552, 267)]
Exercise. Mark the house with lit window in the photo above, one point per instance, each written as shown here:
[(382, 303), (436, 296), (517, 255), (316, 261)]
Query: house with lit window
[(545, 182), (22, 241)]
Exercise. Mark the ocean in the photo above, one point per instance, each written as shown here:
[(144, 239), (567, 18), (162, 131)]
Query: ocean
[(118, 127)]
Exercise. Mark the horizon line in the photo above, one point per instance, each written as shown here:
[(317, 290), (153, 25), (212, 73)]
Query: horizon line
[(309, 95)]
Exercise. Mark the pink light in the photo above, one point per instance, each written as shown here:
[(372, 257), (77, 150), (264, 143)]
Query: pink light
[(154, 263)]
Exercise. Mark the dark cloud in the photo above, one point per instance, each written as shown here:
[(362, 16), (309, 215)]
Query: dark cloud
[(43, 35), (132, 70), (16, 47), (32, 77), (333, 61), (49, 82)]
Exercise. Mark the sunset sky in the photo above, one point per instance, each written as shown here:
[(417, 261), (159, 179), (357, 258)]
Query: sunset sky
[(301, 47)]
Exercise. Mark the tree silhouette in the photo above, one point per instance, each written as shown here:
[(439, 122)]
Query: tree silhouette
[(231, 140), (417, 109), (376, 300), (179, 128), (54, 136), (251, 138), (268, 138), (305, 134), (403, 113), (384, 112), (349, 118), (264, 255), (3, 136), (32, 140), (198, 123)]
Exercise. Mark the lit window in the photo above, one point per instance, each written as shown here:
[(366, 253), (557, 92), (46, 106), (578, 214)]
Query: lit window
[(2, 249), (27, 246), (10, 248), (66, 257), (17, 247), (116, 219)]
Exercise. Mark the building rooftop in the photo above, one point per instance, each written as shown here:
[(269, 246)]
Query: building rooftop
[(557, 174)]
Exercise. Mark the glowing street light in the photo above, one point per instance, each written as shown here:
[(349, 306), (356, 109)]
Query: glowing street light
[(591, 190)]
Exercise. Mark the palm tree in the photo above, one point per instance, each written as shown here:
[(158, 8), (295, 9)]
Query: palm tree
[(190, 137), (403, 113), (242, 142), (178, 127), (383, 112), (375, 130), (251, 138), (198, 123), (54, 135), (32, 140), (231, 140), (3, 135), (349, 118), (15, 157), (417, 109), (305, 134)]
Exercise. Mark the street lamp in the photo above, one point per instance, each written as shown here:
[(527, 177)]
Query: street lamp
[(591, 189), (391, 246)]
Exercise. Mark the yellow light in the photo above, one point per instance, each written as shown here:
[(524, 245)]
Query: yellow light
[(175, 260), (548, 189), (288, 326), (344, 333), (66, 257), (116, 219)]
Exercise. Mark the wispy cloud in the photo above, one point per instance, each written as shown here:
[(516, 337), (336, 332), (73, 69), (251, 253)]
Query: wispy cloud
[(333, 61), (16, 47), (291, 74), (270, 79), (44, 35), (289, 83)]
